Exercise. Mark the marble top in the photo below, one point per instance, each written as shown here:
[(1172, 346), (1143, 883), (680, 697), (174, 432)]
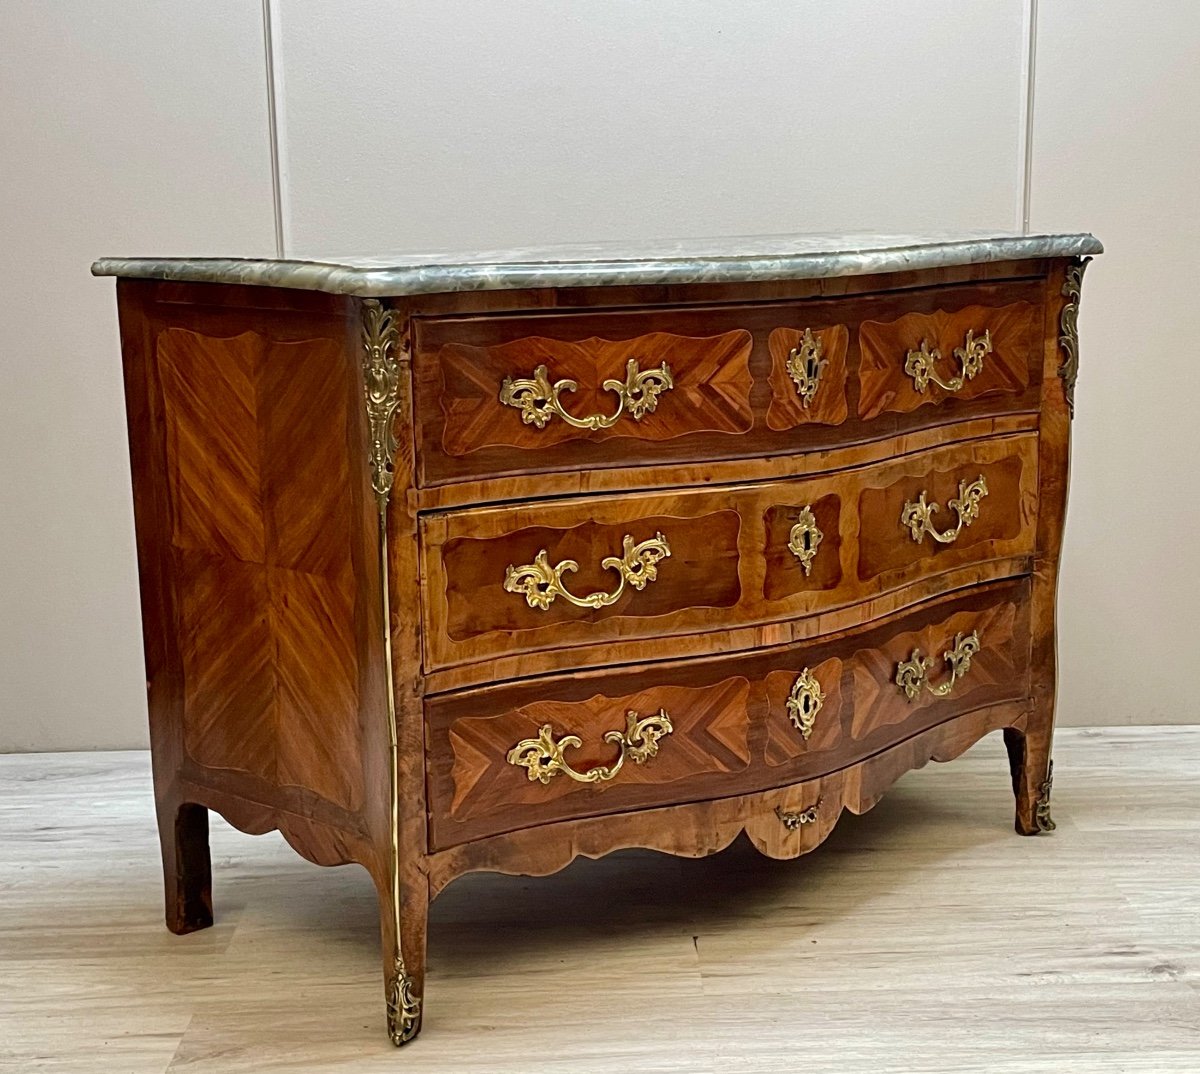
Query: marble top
[(714, 260)]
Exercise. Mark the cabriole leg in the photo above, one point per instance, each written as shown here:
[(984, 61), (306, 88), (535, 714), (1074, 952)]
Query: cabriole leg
[(187, 866), (404, 959), (1032, 775)]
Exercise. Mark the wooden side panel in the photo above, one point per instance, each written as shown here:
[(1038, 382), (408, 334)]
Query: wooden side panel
[(230, 713), (260, 506), (210, 401)]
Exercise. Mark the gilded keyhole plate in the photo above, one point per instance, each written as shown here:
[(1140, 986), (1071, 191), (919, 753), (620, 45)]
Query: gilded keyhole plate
[(805, 538), (805, 364), (805, 702)]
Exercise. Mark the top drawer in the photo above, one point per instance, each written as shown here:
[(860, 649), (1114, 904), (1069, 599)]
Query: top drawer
[(534, 393)]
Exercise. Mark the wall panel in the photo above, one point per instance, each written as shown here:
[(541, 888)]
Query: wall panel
[(1116, 151), (469, 123), (126, 128)]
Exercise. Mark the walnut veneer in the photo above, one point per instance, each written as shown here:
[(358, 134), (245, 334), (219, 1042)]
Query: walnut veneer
[(449, 582)]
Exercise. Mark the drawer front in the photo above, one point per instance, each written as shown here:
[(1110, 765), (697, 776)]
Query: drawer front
[(552, 575), (514, 756), (528, 394)]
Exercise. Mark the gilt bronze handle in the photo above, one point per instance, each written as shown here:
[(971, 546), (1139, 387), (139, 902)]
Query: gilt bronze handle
[(541, 583), (913, 674), (920, 364), (543, 756), (793, 821), (917, 515), (538, 400)]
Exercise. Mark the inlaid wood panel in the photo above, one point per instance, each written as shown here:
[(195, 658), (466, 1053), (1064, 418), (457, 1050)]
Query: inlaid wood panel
[(733, 730), (730, 564), (1001, 662), (260, 532), (710, 735), (701, 571), (212, 444), (1007, 369), (783, 742), (828, 405), (710, 389), (784, 575), (461, 367), (1007, 510)]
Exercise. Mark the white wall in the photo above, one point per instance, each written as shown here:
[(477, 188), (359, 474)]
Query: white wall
[(123, 126), (476, 123), (143, 128), (1117, 151)]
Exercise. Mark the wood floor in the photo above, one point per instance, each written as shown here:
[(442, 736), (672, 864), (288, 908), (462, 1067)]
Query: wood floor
[(924, 936)]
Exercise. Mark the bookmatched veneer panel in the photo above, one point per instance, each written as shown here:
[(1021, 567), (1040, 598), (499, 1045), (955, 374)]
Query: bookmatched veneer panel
[(1006, 339), (263, 556)]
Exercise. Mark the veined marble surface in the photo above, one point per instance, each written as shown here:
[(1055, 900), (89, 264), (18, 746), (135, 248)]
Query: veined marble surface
[(715, 260)]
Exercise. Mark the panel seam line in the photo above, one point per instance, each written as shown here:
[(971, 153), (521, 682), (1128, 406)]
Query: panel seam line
[(1027, 116), (273, 129)]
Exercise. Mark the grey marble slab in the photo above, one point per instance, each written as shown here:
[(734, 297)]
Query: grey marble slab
[(714, 260)]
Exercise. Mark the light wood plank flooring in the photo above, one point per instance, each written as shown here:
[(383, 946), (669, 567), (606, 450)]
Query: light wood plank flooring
[(924, 937)]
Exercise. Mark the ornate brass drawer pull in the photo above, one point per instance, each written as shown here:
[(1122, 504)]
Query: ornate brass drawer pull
[(805, 702), (805, 365), (805, 539), (917, 515), (538, 400), (912, 674), (920, 364), (543, 756), (794, 821), (541, 582)]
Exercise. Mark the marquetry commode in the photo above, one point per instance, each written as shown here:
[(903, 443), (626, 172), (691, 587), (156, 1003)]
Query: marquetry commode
[(451, 564)]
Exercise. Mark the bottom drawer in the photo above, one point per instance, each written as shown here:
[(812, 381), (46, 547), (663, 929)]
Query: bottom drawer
[(514, 756)]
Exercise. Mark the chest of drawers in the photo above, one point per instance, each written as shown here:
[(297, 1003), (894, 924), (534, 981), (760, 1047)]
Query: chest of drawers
[(455, 564)]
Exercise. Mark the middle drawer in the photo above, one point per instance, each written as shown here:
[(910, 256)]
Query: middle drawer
[(522, 578)]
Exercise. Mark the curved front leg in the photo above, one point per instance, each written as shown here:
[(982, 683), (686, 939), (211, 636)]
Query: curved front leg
[(1032, 776), (403, 956), (187, 866)]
